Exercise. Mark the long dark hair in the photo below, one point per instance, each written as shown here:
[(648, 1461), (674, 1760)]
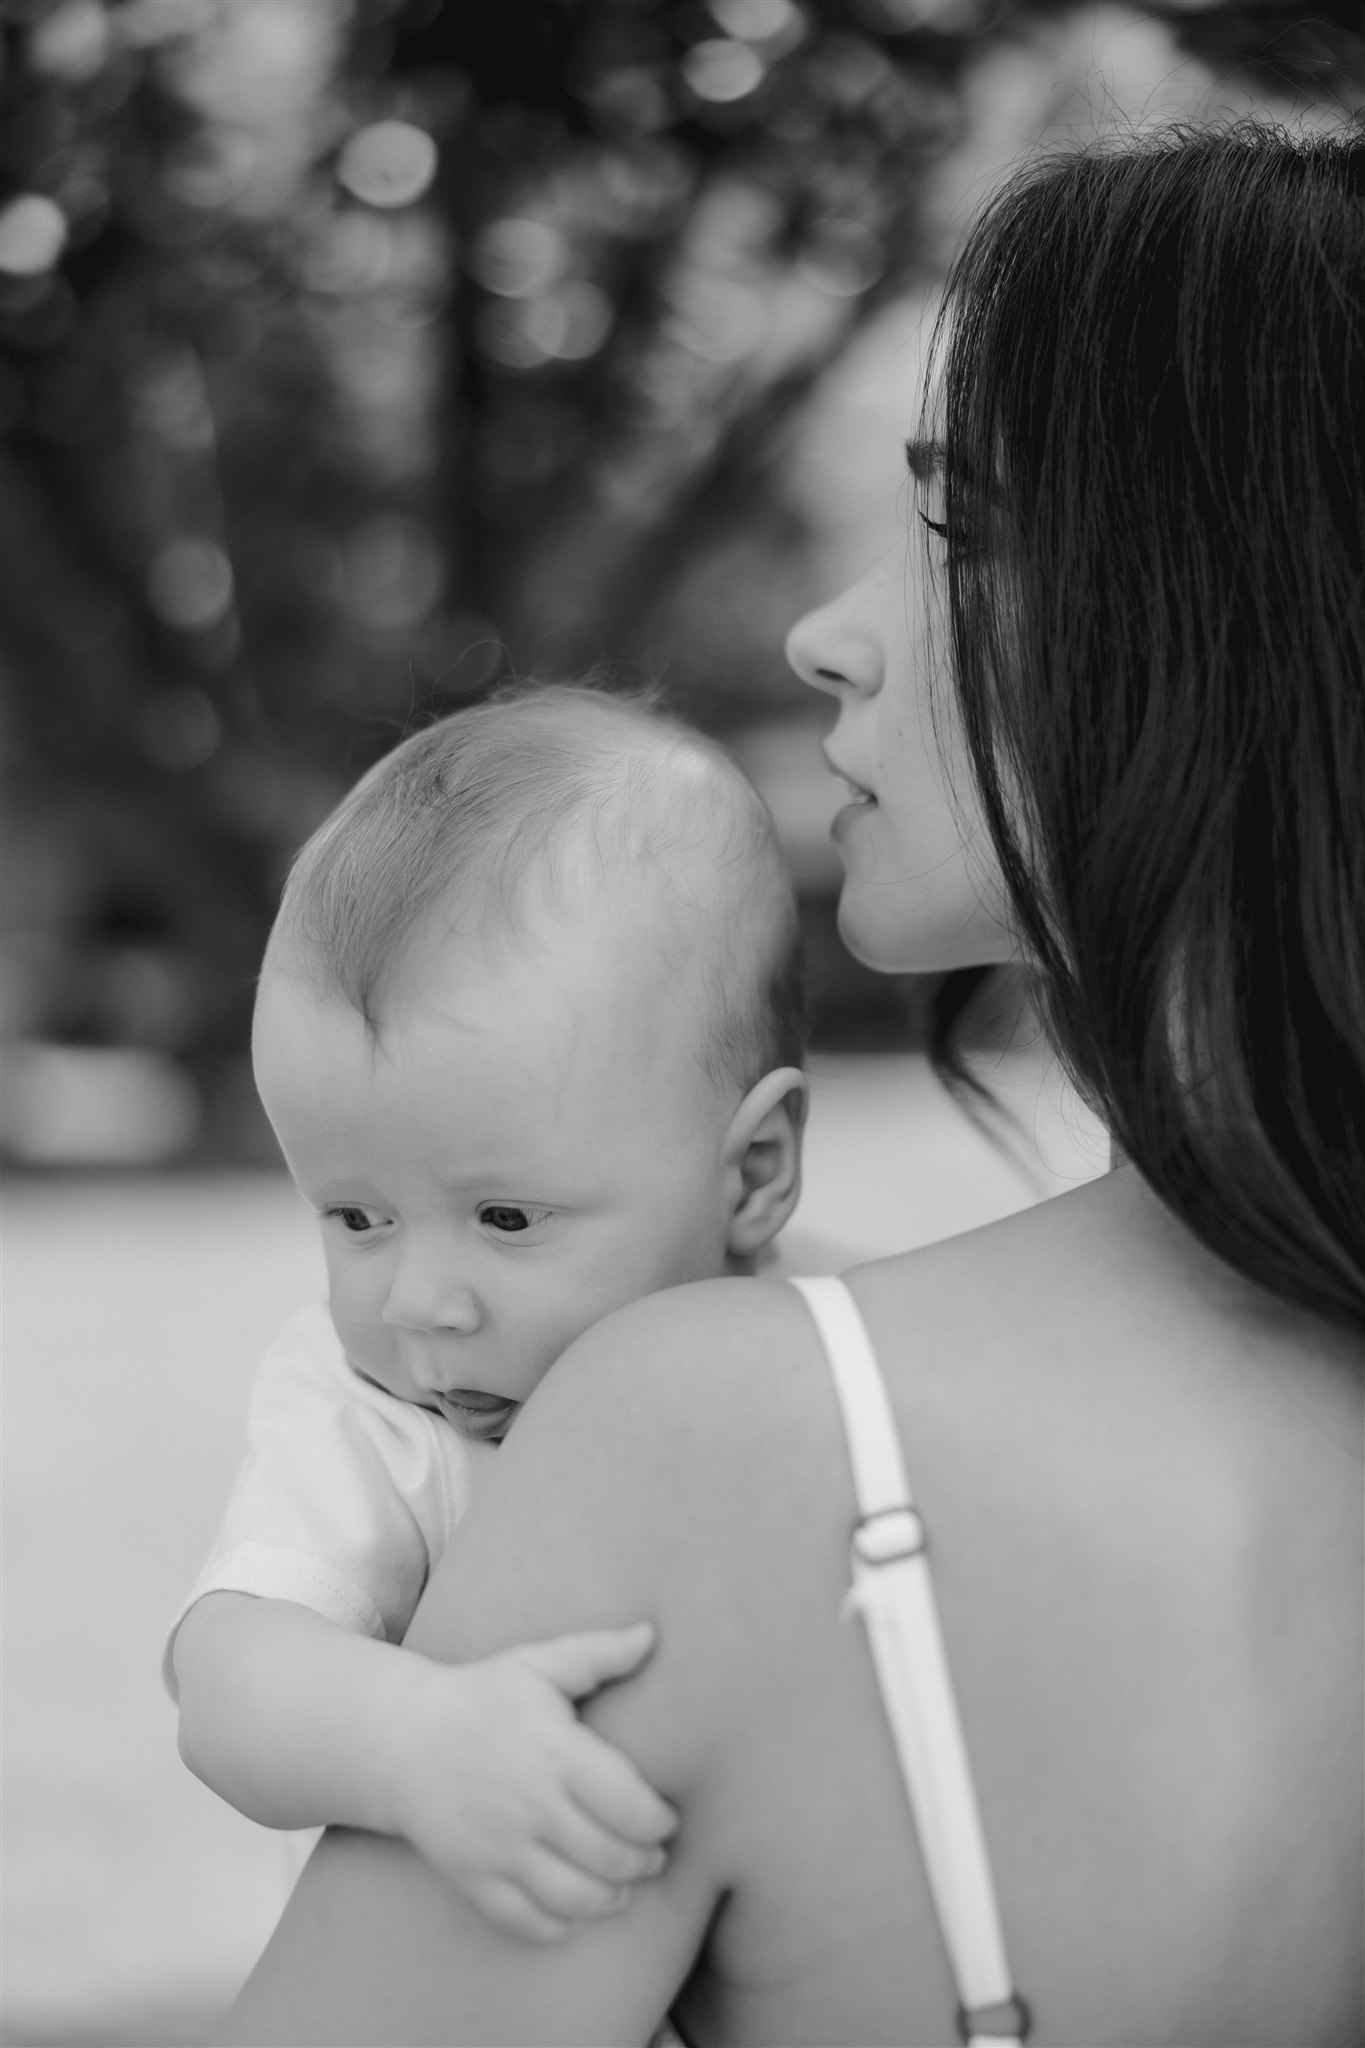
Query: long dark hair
[(1152, 393)]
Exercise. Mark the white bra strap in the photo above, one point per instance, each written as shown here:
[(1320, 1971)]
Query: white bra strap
[(894, 1593)]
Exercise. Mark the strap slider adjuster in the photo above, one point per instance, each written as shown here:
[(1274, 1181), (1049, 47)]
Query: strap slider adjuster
[(889, 1536), (1009, 2020)]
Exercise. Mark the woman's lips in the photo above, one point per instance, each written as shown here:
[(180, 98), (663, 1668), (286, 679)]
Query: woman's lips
[(861, 800)]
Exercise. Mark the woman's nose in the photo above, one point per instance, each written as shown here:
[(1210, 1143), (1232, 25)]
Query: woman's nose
[(837, 649)]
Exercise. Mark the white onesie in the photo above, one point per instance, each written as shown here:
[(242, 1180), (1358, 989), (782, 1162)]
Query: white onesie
[(346, 1497)]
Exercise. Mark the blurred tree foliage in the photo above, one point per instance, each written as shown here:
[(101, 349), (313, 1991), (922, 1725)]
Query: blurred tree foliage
[(351, 355)]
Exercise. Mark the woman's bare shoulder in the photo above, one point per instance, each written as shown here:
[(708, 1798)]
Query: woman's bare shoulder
[(1105, 1264), (687, 1389), (1088, 1343), (641, 1448), (1071, 1302), (709, 1335), (746, 1338)]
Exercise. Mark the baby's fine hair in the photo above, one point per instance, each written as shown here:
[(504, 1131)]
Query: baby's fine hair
[(446, 833)]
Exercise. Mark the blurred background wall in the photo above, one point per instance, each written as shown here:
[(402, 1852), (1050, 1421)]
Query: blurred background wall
[(357, 354)]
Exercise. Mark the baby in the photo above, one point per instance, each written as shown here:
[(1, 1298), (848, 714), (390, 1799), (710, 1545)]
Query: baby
[(529, 1033)]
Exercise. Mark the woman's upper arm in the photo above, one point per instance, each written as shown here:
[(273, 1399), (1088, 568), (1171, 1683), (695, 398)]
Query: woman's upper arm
[(373, 1948), (590, 1518)]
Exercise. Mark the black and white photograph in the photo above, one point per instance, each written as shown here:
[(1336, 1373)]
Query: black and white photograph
[(683, 1023)]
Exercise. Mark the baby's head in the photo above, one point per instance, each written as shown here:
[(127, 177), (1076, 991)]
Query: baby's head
[(529, 1031)]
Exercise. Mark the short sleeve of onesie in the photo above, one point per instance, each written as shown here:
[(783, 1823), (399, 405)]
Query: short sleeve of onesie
[(346, 1495)]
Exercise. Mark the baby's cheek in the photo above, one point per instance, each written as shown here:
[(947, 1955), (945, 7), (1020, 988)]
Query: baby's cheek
[(356, 1317)]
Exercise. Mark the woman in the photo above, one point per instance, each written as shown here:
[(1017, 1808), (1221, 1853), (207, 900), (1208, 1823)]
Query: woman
[(1131, 1416)]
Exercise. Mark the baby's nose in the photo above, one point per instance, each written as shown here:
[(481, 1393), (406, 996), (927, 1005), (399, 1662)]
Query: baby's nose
[(425, 1295)]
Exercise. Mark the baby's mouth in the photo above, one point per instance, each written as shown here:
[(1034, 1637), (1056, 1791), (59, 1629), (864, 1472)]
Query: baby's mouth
[(487, 1417)]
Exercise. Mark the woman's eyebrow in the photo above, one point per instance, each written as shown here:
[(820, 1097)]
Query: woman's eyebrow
[(924, 459), (928, 461)]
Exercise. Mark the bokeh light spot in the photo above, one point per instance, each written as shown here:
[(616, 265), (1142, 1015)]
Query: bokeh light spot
[(393, 572), (32, 235), (351, 252), (210, 169), (949, 17), (388, 163), (148, 22), (756, 21), (517, 258), (571, 323), (170, 401), (72, 42), (179, 729), (190, 584), (719, 320), (721, 70), (633, 97), (844, 259), (507, 337)]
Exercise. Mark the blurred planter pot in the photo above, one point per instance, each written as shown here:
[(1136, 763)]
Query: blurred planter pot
[(76, 1105)]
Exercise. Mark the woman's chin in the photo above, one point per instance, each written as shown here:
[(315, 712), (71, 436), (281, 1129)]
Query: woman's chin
[(875, 926)]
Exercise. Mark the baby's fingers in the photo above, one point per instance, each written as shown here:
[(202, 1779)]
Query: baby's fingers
[(608, 1787), (562, 1892), (579, 1664), (507, 1906), (585, 1843)]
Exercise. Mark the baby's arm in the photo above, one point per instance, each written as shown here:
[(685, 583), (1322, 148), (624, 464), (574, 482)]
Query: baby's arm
[(484, 1767)]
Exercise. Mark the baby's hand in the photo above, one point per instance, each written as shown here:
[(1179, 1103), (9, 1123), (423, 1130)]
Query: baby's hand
[(536, 1820)]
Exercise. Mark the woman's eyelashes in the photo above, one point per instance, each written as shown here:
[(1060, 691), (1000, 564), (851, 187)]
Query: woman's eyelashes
[(965, 542), (925, 462)]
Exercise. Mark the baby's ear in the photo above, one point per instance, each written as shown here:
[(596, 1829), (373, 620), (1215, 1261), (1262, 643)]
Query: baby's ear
[(763, 1155)]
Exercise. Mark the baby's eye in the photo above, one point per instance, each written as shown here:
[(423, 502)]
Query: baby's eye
[(353, 1218), (509, 1216)]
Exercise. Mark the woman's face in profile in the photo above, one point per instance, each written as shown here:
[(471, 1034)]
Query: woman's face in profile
[(922, 891)]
